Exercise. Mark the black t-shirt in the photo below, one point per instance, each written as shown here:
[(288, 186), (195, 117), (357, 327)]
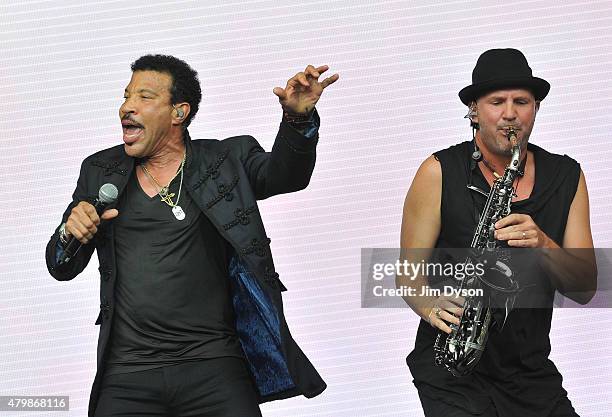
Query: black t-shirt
[(514, 371), (172, 293)]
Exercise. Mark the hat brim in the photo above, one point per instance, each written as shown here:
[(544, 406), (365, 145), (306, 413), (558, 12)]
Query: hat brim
[(537, 86)]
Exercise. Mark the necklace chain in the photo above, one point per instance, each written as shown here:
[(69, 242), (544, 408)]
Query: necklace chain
[(497, 176), (164, 192)]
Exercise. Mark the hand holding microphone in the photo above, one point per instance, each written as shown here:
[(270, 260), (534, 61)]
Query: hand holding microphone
[(82, 224)]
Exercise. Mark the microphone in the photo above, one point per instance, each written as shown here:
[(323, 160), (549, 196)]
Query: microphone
[(107, 195)]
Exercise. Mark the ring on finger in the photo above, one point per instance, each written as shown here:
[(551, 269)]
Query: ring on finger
[(524, 235), (438, 311)]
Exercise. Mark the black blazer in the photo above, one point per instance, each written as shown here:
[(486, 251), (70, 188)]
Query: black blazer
[(224, 178)]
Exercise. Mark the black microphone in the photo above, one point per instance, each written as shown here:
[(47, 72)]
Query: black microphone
[(107, 195)]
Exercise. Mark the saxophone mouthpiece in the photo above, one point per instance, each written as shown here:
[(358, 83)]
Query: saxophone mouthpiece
[(511, 135)]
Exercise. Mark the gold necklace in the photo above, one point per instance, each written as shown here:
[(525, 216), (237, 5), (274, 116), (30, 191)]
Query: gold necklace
[(164, 192)]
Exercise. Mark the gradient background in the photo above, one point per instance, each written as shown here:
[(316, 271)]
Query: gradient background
[(63, 68)]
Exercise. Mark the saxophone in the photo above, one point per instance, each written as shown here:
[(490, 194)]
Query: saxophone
[(460, 351)]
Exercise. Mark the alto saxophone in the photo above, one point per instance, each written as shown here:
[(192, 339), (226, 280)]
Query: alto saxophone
[(460, 351)]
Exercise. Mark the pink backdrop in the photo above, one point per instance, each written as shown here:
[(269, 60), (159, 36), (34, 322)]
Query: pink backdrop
[(63, 68)]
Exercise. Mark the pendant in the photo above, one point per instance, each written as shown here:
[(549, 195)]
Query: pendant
[(178, 212)]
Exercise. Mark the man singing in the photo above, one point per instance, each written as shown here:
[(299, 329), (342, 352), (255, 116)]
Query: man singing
[(191, 313), (549, 209)]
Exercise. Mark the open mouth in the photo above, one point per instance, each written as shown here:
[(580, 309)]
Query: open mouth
[(131, 130)]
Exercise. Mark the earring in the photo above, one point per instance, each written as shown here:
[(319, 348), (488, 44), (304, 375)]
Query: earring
[(179, 112)]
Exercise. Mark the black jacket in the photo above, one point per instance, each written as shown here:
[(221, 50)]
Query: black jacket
[(224, 178)]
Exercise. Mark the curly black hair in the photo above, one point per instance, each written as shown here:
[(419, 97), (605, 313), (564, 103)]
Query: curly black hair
[(185, 83)]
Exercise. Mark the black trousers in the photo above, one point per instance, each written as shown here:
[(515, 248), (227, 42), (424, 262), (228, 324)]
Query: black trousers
[(437, 408), (220, 387)]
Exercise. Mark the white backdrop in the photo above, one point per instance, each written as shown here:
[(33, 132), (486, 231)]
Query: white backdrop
[(63, 68)]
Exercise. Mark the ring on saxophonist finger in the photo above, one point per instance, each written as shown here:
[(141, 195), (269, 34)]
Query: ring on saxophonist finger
[(524, 236), (438, 310)]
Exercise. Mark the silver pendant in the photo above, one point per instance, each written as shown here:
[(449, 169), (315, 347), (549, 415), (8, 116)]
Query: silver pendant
[(178, 212)]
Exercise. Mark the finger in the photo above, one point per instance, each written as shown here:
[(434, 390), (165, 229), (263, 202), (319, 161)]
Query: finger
[(330, 80), (522, 235), (83, 219), (429, 316), (522, 243), (79, 236), (455, 300), (513, 218), (301, 77), (454, 311), (298, 80), (435, 320), (88, 215), (79, 231), (294, 83), (280, 93), (451, 318), (311, 72), (460, 301), (109, 214), (502, 234), (322, 69), (522, 238), (440, 324), (508, 231), (87, 208), (87, 229), (513, 232), (92, 219)]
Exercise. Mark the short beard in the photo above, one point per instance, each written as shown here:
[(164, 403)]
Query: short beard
[(497, 148)]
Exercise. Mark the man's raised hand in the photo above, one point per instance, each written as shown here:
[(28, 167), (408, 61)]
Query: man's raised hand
[(303, 90)]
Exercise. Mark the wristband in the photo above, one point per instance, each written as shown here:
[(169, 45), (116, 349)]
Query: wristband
[(297, 118)]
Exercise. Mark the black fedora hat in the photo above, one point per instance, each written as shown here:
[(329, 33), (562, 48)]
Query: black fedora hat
[(502, 68)]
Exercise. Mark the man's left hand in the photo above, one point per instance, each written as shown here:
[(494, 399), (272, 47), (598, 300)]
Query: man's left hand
[(521, 231), (303, 90)]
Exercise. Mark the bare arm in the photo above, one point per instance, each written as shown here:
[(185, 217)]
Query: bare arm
[(421, 223), (572, 268)]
